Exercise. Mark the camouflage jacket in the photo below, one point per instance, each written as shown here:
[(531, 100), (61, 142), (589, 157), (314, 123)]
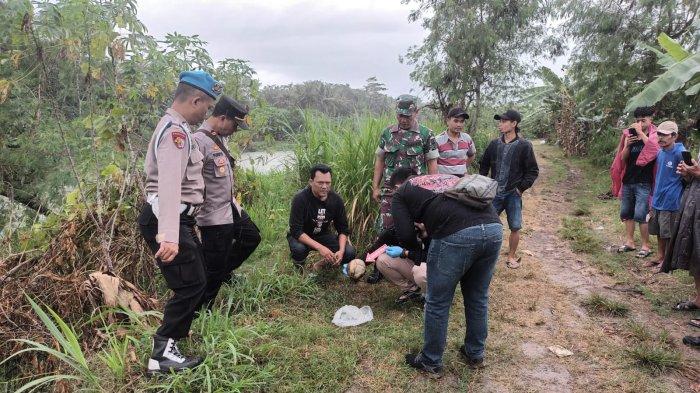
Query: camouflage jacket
[(411, 148)]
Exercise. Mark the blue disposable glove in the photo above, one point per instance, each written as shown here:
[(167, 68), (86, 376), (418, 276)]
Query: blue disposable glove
[(394, 251)]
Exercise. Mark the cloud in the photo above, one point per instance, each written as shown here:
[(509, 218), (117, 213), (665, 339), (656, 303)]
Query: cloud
[(295, 41)]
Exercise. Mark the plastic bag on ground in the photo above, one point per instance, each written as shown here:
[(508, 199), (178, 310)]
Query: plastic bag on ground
[(352, 316)]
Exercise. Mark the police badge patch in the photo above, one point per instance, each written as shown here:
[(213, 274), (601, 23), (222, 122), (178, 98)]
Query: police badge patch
[(178, 139)]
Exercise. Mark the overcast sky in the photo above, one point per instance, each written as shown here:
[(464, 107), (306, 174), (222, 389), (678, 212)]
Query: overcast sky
[(298, 40)]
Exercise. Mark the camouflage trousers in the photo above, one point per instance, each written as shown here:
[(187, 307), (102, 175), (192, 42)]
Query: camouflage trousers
[(385, 219)]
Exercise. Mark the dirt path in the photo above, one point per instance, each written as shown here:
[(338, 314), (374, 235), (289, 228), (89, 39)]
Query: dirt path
[(539, 305)]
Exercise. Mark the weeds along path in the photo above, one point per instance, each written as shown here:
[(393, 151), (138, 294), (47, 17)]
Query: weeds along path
[(542, 304)]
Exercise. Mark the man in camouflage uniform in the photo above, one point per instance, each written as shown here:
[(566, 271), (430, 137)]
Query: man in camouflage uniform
[(406, 144)]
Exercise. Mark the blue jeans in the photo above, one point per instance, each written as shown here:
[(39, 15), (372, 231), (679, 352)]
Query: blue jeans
[(634, 203), (467, 257), (512, 203)]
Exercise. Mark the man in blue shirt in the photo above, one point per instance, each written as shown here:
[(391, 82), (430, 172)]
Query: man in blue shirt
[(667, 189)]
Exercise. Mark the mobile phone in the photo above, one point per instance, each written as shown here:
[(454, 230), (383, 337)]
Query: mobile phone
[(632, 131), (687, 158)]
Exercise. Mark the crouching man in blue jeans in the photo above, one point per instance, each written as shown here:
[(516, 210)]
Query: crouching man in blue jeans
[(464, 250)]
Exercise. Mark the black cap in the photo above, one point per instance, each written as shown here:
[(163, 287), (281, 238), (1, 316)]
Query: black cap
[(457, 112), (232, 109), (509, 115)]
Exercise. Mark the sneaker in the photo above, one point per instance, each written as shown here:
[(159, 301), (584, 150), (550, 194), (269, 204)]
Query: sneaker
[(375, 277), (471, 363), (166, 357), (416, 361), (408, 295)]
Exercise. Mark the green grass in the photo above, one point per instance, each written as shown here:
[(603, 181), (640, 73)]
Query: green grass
[(654, 357), (580, 235), (271, 330), (599, 304), (582, 208), (593, 228)]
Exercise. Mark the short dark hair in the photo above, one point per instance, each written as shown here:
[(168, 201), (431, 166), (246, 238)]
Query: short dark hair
[(644, 111), (323, 168), (400, 175), (185, 91)]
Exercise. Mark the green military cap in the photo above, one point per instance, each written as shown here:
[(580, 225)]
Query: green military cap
[(406, 105)]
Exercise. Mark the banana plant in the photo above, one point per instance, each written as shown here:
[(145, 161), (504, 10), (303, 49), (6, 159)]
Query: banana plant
[(682, 72)]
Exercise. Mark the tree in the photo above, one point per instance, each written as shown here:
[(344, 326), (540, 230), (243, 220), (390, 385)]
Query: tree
[(329, 98), (477, 49), (610, 62), (239, 79), (377, 98)]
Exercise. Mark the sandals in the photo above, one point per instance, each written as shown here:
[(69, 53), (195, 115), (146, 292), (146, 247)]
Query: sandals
[(643, 253), (514, 264), (686, 306), (695, 322), (408, 295), (625, 248)]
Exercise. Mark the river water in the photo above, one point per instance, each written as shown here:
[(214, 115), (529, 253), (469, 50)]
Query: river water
[(265, 162)]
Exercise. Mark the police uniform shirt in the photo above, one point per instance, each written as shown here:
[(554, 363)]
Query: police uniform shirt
[(218, 182), (173, 173)]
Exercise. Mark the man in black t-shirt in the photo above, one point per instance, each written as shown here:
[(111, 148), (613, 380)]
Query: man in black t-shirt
[(638, 178), (313, 210)]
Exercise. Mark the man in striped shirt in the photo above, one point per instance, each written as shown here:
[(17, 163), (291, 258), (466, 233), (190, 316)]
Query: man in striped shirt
[(456, 147)]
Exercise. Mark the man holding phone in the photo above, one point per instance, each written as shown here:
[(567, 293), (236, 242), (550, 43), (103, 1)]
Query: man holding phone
[(667, 188), (633, 177)]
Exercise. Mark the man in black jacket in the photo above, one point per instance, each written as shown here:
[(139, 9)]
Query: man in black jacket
[(511, 161), (313, 210)]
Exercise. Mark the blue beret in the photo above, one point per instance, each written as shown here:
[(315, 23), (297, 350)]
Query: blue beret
[(202, 81)]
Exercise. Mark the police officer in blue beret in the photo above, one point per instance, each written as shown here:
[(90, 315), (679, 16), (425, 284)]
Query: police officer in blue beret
[(174, 194)]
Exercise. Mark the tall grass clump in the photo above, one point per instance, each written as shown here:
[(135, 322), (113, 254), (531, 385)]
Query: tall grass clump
[(348, 146), (581, 236), (655, 358), (600, 304)]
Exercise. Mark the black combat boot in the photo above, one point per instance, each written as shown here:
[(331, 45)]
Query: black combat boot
[(166, 357)]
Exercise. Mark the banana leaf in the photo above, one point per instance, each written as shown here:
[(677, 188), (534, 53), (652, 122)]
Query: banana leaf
[(673, 79)]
